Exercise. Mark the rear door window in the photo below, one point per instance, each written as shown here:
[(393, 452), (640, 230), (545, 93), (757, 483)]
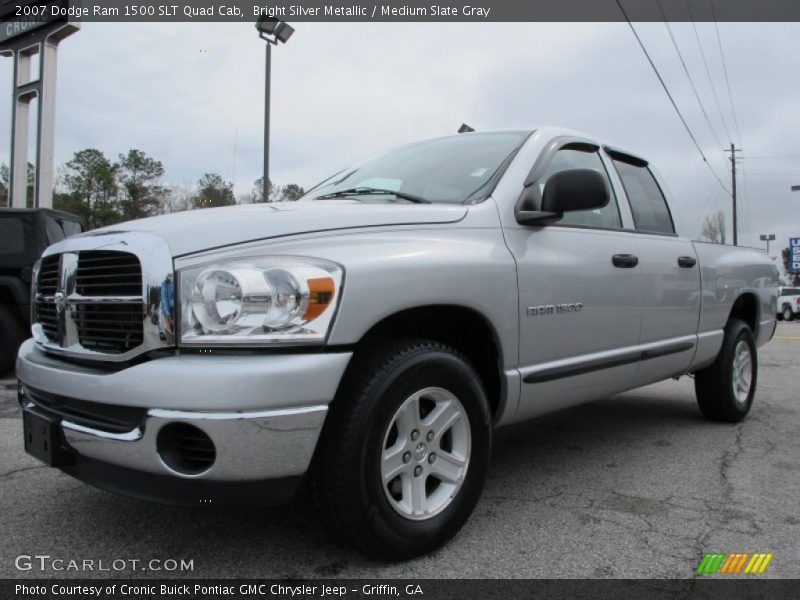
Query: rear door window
[(648, 205)]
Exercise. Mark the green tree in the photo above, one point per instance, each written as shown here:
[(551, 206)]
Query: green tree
[(257, 195), (291, 192), (138, 176), (5, 185), (5, 178), (90, 180), (213, 190)]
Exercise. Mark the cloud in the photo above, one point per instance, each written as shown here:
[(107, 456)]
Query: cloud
[(184, 92)]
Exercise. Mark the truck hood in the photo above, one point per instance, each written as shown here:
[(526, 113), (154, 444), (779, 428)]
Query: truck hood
[(197, 230)]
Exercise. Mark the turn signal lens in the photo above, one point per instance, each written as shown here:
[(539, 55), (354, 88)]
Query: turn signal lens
[(320, 295)]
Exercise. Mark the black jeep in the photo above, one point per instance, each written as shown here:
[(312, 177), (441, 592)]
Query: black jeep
[(24, 234)]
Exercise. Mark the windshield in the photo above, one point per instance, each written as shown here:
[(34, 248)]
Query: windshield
[(450, 170)]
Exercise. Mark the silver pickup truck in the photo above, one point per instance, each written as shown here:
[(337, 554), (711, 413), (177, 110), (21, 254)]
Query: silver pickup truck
[(369, 338)]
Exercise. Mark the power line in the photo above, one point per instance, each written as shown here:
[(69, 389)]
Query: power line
[(773, 174), (774, 158), (725, 71), (733, 111), (671, 99), (688, 76), (708, 71)]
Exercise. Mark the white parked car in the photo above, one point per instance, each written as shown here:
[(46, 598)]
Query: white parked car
[(789, 304)]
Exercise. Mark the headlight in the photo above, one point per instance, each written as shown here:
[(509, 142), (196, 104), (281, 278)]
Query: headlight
[(258, 301)]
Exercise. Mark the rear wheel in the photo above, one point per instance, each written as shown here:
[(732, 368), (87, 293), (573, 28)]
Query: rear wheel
[(12, 334), (787, 313), (405, 449), (725, 389)]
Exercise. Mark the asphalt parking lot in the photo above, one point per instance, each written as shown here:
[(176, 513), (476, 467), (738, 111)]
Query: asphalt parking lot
[(637, 485)]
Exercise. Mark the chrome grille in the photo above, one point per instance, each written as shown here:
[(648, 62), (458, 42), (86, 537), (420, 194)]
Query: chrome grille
[(47, 285), (110, 328), (101, 290), (102, 297), (105, 273)]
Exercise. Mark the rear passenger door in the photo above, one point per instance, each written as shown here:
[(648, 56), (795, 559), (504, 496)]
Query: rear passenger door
[(669, 273)]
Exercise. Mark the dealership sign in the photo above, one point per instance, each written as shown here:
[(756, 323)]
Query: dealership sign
[(794, 255), (16, 27)]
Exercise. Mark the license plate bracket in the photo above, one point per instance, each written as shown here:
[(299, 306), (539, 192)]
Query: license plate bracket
[(42, 438)]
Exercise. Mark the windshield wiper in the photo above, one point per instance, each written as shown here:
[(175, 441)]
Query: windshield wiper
[(370, 191)]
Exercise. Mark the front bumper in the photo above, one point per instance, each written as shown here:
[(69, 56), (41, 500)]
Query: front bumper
[(263, 414)]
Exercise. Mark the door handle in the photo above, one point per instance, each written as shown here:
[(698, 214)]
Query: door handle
[(686, 262), (625, 261)]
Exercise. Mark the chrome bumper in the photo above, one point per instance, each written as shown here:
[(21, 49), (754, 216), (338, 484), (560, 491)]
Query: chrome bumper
[(249, 446), (263, 413)]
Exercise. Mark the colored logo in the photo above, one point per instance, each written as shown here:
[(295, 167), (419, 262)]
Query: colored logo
[(734, 563)]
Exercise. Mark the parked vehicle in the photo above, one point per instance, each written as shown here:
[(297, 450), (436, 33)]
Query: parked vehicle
[(370, 337), (789, 304), (24, 234)]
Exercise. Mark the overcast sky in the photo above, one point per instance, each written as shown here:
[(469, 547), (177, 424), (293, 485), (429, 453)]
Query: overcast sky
[(181, 91)]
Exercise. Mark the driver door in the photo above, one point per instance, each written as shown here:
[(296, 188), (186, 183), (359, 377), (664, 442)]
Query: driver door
[(579, 299)]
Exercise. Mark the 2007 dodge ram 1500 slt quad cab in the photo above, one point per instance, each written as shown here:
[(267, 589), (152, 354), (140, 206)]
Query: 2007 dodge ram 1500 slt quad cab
[(369, 337)]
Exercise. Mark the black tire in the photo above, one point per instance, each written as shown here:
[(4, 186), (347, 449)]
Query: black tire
[(787, 313), (12, 334), (714, 385), (346, 474)]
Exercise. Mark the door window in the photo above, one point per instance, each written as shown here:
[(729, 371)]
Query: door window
[(648, 205), (578, 158)]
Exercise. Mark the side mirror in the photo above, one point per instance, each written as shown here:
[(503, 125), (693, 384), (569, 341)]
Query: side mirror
[(567, 191), (575, 189)]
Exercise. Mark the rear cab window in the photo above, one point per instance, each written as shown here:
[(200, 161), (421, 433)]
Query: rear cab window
[(57, 229), (12, 235), (648, 205)]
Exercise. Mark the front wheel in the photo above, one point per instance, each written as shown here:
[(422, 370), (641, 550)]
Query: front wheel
[(725, 389), (405, 449)]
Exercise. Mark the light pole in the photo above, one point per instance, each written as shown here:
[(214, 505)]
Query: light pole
[(271, 31), (767, 237)]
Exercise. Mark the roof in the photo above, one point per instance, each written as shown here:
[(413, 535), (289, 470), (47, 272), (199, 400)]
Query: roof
[(5, 210)]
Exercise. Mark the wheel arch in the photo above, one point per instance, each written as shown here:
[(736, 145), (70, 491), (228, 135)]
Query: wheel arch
[(746, 308), (461, 327)]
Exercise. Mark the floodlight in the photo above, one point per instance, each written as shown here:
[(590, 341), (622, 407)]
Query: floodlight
[(267, 25), (283, 32)]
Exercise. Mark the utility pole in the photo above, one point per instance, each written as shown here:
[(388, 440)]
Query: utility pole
[(733, 152)]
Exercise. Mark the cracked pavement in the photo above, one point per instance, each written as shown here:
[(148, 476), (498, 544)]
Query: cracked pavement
[(637, 485)]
